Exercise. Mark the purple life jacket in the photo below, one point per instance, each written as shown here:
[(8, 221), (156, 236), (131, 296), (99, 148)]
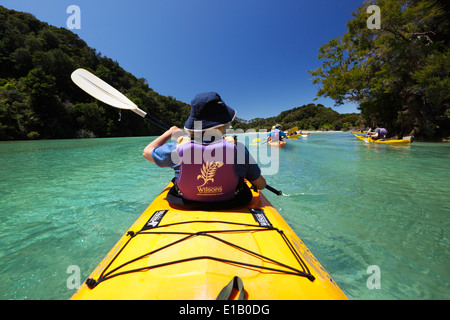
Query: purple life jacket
[(382, 133), (207, 171), (275, 135)]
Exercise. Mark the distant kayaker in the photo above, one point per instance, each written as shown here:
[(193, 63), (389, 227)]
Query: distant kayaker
[(379, 133), (209, 169), (276, 134)]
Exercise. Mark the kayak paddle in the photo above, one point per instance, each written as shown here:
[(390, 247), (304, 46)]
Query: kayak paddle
[(104, 92), (292, 130)]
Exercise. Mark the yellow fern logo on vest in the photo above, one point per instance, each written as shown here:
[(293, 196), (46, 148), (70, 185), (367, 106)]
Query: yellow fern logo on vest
[(208, 172)]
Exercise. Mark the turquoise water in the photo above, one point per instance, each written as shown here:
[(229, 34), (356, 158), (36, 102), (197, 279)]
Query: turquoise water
[(355, 205)]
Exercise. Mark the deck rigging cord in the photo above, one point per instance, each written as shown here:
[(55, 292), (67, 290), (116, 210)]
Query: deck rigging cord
[(304, 272)]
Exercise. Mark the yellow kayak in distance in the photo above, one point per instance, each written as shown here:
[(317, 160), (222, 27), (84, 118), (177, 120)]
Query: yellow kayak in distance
[(405, 140), (173, 254)]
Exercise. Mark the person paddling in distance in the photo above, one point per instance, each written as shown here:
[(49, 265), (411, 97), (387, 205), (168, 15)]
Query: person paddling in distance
[(276, 134), (209, 169), (379, 133)]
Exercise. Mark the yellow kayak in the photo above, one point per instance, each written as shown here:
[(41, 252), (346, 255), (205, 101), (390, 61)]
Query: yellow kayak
[(405, 140), (173, 254)]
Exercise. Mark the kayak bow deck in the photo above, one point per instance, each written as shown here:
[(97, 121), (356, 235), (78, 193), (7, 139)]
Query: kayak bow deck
[(175, 254)]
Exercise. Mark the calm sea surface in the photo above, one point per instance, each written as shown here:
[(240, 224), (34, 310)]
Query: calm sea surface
[(355, 205)]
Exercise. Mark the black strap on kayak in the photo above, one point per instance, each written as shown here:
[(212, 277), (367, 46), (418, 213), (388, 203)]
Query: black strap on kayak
[(227, 292), (108, 274)]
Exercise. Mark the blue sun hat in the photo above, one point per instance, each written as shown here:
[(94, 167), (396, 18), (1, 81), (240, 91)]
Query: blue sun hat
[(209, 108)]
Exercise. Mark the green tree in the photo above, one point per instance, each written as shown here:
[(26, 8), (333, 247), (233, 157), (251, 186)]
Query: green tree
[(397, 74), (17, 119)]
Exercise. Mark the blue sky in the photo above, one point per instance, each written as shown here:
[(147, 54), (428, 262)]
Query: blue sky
[(254, 53)]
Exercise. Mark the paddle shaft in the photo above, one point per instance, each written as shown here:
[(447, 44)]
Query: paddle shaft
[(162, 125), (277, 192)]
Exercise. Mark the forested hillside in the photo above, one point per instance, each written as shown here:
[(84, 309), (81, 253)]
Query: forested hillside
[(306, 117), (39, 101)]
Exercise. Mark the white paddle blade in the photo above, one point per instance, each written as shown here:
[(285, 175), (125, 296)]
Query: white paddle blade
[(102, 91)]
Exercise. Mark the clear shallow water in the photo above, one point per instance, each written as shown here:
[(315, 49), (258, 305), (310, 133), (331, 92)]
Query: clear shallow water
[(67, 202)]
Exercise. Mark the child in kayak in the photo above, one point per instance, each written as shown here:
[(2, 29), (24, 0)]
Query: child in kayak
[(209, 169), (276, 134)]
